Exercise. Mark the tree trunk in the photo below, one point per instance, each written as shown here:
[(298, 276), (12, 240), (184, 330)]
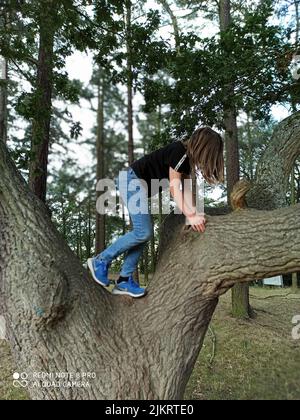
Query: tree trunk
[(251, 149), (153, 253), (5, 21), (100, 218), (146, 264), (240, 293), (274, 169), (59, 320), (124, 225), (241, 307), (295, 283), (129, 83), (3, 99), (174, 21), (89, 230), (293, 202), (42, 105), (241, 301), (297, 17), (64, 217), (230, 113), (130, 94)]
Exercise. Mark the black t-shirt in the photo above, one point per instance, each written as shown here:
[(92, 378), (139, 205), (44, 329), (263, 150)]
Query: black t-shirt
[(157, 164)]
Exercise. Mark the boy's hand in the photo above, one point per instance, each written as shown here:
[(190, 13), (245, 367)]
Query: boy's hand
[(197, 222)]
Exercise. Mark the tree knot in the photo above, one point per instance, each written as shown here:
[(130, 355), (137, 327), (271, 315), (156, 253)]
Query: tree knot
[(238, 195)]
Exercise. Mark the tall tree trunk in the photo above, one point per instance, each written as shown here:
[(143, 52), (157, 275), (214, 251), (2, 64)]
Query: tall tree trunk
[(297, 17), (241, 307), (240, 293), (153, 253), (124, 225), (129, 83), (160, 213), (230, 113), (38, 170), (100, 218), (251, 149), (130, 93), (165, 4), (293, 202), (89, 230), (241, 301), (160, 194), (146, 264), (294, 99), (295, 286), (58, 320), (3, 99), (5, 22), (64, 218), (80, 235)]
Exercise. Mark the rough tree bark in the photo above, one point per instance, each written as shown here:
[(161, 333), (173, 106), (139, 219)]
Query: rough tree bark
[(273, 171), (58, 320)]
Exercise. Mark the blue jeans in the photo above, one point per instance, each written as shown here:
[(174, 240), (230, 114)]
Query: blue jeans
[(132, 243)]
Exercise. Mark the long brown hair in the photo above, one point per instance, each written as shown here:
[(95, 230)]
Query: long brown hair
[(205, 149)]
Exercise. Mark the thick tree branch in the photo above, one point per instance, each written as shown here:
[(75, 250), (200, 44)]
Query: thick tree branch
[(242, 246), (58, 320), (275, 166)]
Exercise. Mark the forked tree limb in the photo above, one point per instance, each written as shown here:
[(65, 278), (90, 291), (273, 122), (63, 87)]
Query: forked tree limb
[(59, 321), (275, 166)]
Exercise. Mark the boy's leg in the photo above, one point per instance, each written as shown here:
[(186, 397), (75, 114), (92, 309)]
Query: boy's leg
[(132, 240), (141, 224), (131, 260)]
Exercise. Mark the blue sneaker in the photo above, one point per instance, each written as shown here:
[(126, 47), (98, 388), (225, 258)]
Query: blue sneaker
[(99, 270), (129, 288)]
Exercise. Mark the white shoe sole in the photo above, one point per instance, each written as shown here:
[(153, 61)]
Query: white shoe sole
[(125, 293), (91, 268)]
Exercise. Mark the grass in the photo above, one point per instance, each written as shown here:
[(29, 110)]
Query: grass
[(252, 360), (7, 368), (241, 360)]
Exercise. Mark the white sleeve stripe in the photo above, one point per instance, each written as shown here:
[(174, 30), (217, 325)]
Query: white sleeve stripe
[(180, 162)]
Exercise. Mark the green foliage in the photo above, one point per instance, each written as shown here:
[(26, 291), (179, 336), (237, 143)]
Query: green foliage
[(181, 89), (253, 56)]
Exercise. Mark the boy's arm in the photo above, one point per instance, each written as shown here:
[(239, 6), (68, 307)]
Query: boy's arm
[(185, 201), (188, 198)]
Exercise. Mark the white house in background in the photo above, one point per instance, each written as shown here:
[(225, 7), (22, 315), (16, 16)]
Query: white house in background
[(274, 281)]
